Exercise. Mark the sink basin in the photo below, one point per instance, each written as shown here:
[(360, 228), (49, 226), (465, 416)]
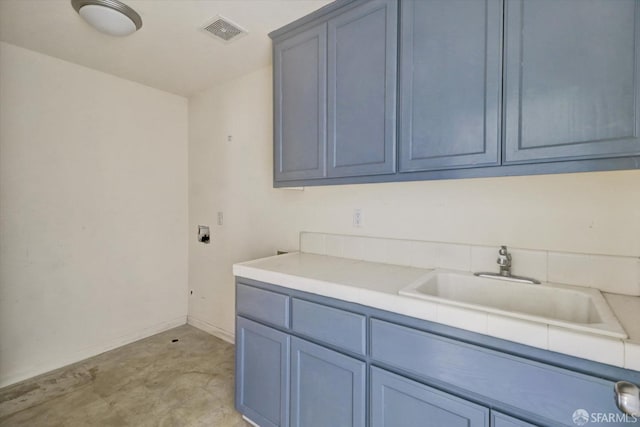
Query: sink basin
[(568, 306)]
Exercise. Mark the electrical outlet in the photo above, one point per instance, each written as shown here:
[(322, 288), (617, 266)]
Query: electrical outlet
[(220, 218), (357, 217)]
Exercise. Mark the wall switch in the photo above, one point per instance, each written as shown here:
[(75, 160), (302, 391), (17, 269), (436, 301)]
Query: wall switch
[(357, 217), (229, 138), (204, 235), (220, 218)]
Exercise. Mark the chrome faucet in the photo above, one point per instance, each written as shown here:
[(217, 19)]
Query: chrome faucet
[(504, 261)]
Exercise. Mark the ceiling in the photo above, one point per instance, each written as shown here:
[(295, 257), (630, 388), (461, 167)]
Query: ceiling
[(169, 52)]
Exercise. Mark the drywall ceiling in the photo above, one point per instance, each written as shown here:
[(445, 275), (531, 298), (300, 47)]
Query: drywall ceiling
[(169, 52)]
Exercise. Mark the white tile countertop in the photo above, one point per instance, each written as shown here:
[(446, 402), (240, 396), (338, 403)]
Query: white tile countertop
[(376, 285)]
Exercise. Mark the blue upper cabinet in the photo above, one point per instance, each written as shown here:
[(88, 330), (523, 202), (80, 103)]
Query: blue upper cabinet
[(571, 79), (362, 90), (300, 79), (450, 84), (401, 90), (335, 90)]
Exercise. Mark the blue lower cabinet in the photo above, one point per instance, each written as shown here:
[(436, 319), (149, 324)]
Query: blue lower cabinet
[(262, 373), (310, 361), (501, 420), (327, 387), (399, 402)]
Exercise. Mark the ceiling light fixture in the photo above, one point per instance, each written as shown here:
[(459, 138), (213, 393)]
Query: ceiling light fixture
[(108, 16)]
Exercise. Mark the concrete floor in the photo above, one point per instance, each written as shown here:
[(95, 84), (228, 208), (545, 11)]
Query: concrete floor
[(152, 382)]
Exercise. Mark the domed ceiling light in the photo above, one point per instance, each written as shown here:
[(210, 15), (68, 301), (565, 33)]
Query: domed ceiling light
[(108, 16)]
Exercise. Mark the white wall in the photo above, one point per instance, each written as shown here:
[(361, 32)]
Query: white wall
[(233, 178), (93, 212), (589, 212)]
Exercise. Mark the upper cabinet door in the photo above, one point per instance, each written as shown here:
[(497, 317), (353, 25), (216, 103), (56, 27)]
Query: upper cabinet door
[(300, 75), (362, 90), (572, 88), (450, 80)]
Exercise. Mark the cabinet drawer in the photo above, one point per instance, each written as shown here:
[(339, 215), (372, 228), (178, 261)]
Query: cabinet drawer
[(541, 391), (259, 304), (330, 325)]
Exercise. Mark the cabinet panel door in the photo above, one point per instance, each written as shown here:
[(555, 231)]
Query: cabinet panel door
[(551, 393), (327, 388), (571, 79), (399, 402), (502, 420), (450, 80), (300, 78), (362, 90), (262, 373)]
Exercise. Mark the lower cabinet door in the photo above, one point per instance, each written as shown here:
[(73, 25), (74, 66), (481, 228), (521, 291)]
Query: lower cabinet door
[(399, 402), (327, 387), (262, 373), (502, 420)]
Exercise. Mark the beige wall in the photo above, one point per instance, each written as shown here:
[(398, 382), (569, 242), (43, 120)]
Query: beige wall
[(589, 212), (93, 212)]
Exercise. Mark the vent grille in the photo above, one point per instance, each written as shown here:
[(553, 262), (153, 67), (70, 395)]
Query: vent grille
[(224, 29)]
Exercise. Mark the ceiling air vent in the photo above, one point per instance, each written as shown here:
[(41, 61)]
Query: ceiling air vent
[(224, 29)]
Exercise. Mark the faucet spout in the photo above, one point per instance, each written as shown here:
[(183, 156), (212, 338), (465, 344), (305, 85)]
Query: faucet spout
[(504, 262)]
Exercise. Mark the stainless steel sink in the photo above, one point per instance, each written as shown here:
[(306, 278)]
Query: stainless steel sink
[(568, 306)]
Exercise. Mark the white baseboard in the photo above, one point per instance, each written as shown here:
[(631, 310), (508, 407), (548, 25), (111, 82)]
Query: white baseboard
[(213, 330), (86, 353)]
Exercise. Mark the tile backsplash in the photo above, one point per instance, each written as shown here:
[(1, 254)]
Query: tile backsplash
[(614, 274)]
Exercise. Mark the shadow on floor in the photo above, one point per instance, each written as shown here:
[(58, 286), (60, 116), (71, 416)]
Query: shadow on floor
[(152, 382)]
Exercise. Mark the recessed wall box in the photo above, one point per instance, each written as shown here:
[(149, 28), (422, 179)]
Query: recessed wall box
[(204, 235)]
